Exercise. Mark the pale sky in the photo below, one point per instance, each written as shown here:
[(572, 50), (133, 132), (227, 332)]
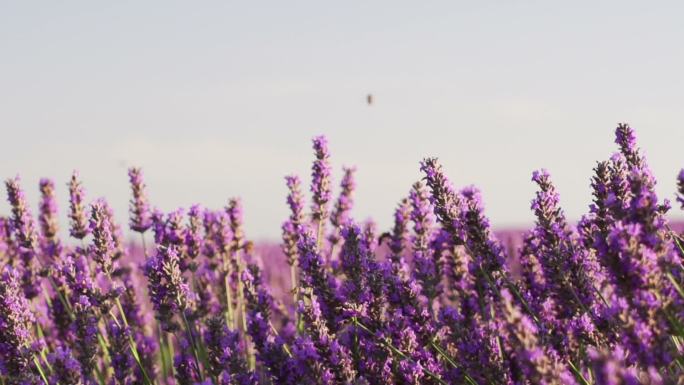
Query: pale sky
[(219, 98)]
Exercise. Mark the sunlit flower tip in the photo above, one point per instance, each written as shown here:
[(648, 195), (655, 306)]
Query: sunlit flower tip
[(235, 217), (48, 209), (77, 210), (295, 199), (104, 247), (447, 203), (625, 138), (140, 219), (22, 222), (345, 201), (193, 233)]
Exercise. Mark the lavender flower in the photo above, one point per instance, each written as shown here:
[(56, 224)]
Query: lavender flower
[(447, 204), (174, 229), (75, 272), (140, 211), (119, 351), (85, 331), (225, 354), (427, 268), (337, 357), (603, 298), (610, 368), (626, 140), (234, 211), (65, 368), (24, 230), (344, 204), (48, 218), (399, 237), (168, 291), (539, 366), (402, 295), (16, 338), (6, 243), (270, 348), (187, 370), (295, 201), (193, 236), (321, 180), (570, 274), (637, 254), (78, 218), (22, 221), (362, 292), (103, 241), (158, 226), (316, 278), (488, 259)]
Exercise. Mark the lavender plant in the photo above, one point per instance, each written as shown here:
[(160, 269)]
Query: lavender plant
[(437, 299)]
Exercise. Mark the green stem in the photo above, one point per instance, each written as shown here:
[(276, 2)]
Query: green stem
[(578, 374), (191, 337), (40, 370), (295, 297), (319, 236)]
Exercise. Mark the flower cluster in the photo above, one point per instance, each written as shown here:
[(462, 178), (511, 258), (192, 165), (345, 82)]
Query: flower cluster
[(439, 298)]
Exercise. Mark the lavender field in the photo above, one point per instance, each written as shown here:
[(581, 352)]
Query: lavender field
[(439, 298)]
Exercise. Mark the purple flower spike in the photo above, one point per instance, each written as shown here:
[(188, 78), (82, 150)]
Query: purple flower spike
[(77, 212), (24, 229), (626, 140), (6, 242), (315, 277), (356, 261), (343, 206), (194, 241), (48, 218), (337, 357), (538, 365), (104, 247), (610, 368), (23, 225), (446, 202), (168, 290), (225, 354), (399, 237), (16, 322), (295, 200), (85, 329), (488, 257), (174, 231), (65, 368), (119, 351), (140, 210), (427, 268), (561, 275), (187, 371), (321, 179), (270, 348), (234, 211)]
